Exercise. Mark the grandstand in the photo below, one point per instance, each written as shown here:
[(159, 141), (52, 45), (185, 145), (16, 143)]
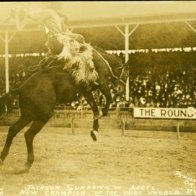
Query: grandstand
[(154, 42), (139, 26)]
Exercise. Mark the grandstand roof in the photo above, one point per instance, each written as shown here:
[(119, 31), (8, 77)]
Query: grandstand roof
[(91, 14), (163, 24)]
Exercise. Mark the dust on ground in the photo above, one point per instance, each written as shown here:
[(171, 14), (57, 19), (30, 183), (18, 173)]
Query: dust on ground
[(134, 164)]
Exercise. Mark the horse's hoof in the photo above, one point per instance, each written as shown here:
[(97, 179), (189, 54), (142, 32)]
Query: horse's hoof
[(22, 171), (94, 135)]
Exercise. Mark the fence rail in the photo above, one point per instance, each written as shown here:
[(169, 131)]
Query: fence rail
[(122, 120)]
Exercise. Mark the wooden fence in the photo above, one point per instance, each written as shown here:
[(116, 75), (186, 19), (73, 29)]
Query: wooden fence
[(122, 120)]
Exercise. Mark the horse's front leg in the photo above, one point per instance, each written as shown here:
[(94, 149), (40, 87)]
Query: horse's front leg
[(91, 101), (106, 92)]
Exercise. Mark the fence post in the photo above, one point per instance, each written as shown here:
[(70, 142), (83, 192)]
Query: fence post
[(72, 126), (19, 112), (82, 113), (178, 130), (64, 116), (123, 127), (117, 112)]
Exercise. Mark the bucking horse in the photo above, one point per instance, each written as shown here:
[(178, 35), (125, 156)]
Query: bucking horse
[(43, 89)]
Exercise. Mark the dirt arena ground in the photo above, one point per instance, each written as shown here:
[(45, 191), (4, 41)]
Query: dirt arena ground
[(139, 163)]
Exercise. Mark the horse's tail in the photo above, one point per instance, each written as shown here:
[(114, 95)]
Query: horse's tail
[(6, 100)]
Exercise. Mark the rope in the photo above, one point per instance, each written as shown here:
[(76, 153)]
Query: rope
[(34, 68)]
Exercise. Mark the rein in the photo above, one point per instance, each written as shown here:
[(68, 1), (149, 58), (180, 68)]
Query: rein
[(37, 67), (123, 70)]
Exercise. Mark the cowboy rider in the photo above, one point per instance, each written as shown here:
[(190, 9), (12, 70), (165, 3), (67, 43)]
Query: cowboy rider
[(52, 16)]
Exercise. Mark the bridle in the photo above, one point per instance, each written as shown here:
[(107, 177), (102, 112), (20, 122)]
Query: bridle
[(123, 69), (111, 71)]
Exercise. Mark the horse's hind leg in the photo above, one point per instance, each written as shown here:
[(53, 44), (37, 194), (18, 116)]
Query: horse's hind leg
[(13, 130), (91, 101), (29, 136)]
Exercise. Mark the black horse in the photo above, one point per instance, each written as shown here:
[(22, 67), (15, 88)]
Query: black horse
[(37, 98), (41, 91)]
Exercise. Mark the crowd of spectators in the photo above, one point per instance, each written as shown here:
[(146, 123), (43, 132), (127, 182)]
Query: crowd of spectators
[(150, 86), (169, 88)]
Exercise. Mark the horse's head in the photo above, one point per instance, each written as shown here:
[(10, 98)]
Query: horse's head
[(120, 81), (119, 86), (122, 72), (116, 84), (114, 72)]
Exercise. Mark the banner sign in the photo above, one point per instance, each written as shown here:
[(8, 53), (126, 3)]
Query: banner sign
[(174, 113)]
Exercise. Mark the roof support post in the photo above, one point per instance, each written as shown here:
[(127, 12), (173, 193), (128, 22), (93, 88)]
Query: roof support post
[(126, 43), (190, 26), (126, 35), (20, 21), (127, 58), (120, 30), (6, 40)]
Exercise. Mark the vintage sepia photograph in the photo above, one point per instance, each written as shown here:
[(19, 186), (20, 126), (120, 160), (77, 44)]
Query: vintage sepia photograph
[(98, 98)]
